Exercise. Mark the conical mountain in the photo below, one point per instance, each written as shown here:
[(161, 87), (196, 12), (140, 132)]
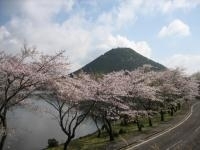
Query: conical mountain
[(119, 59)]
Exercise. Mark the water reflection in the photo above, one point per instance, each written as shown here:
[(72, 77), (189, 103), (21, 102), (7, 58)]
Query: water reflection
[(30, 130)]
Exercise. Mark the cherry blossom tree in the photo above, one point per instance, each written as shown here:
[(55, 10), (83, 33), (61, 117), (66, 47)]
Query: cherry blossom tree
[(109, 99), (68, 97), (173, 87), (196, 77), (141, 95), (21, 75), (146, 96), (189, 88), (127, 88)]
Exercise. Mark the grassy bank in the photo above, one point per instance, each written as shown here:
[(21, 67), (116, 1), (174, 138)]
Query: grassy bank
[(130, 133)]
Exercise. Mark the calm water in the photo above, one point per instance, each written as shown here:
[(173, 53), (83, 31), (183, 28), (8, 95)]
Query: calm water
[(30, 130)]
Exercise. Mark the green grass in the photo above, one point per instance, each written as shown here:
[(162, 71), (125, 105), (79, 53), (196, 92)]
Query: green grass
[(87, 142), (92, 142)]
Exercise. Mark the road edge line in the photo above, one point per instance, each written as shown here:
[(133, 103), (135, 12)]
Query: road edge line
[(168, 130)]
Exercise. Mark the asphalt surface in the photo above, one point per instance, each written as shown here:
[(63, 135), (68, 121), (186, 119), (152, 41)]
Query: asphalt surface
[(184, 137)]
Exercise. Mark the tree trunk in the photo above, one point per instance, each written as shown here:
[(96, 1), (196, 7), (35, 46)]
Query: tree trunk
[(162, 115), (99, 133), (179, 106), (109, 130), (125, 121), (98, 129), (4, 134), (139, 126), (171, 111), (3, 139), (150, 121), (66, 144)]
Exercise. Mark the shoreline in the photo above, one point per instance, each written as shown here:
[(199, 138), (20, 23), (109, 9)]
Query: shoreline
[(130, 139)]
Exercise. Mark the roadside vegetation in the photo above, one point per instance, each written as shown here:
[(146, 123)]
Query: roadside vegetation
[(124, 134)]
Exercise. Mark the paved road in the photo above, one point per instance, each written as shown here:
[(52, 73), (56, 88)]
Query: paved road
[(184, 137)]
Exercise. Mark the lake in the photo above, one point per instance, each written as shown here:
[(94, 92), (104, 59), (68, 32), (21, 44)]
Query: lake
[(30, 129)]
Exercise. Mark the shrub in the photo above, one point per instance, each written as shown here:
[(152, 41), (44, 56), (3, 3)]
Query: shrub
[(115, 134), (122, 131), (52, 142)]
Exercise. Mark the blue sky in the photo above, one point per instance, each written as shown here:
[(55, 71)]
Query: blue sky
[(166, 30)]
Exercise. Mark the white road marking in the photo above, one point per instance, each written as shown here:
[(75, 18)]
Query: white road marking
[(124, 140), (185, 119), (174, 144), (197, 129)]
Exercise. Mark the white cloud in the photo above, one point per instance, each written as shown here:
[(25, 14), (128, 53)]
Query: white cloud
[(128, 10), (169, 6), (121, 14), (191, 63), (175, 28), (68, 5), (8, 42), (3, 33)]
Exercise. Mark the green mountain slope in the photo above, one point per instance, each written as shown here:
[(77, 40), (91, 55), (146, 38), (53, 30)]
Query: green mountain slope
[(119, 59)]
